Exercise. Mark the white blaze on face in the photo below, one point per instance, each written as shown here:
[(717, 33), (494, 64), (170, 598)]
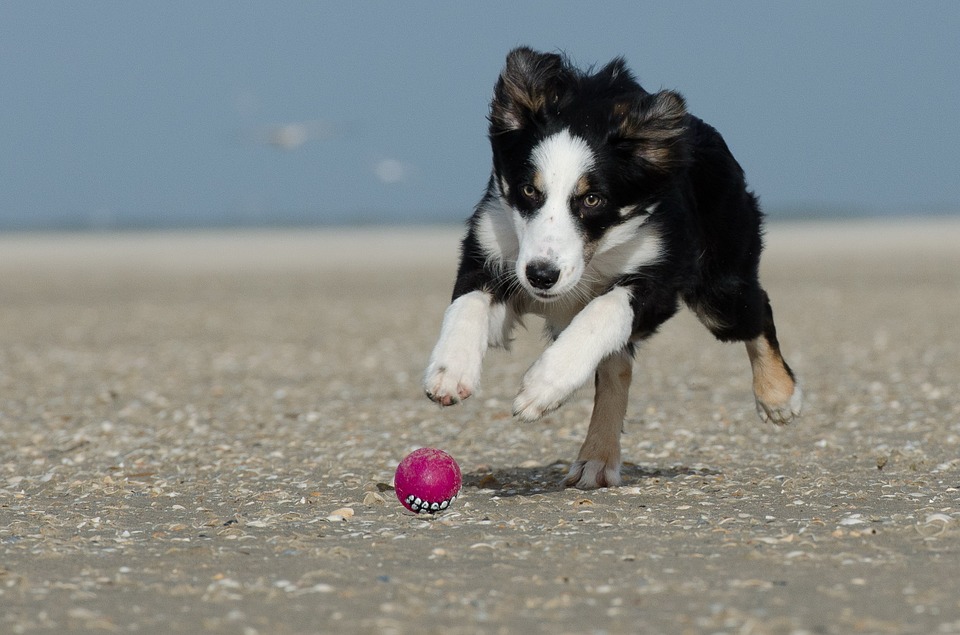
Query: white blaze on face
[(550, 234)]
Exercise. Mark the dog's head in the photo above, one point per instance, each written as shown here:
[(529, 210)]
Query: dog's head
[(577, 155)]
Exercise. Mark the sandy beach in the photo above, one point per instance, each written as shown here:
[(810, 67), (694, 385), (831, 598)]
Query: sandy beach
[(198, 434)]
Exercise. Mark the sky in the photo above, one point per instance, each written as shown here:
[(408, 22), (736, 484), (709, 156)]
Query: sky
[(117, 114)]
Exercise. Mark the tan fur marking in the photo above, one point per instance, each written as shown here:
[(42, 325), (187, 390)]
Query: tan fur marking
[(772, 383), (657, 130), (602, 444), (504, 187), (538, 181), (524, 97), (583, 186)]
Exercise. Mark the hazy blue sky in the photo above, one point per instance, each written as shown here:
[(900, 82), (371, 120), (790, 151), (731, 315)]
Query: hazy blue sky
[(254, 112)]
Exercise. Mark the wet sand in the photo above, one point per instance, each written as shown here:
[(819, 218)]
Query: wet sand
[(198, 434)]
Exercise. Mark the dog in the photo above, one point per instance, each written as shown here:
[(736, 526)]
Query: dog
[(606, 207)]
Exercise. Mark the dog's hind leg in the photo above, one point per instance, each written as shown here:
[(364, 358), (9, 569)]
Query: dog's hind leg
[(740, 311), (775, 388), (598, 464)]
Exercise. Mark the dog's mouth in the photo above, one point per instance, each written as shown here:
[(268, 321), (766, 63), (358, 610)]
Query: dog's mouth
[(544, 296), (548, 295)]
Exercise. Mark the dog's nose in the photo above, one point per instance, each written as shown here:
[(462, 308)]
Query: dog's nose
[(542, 274)]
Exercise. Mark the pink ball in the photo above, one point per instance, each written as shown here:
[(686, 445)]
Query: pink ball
[(427, 480)]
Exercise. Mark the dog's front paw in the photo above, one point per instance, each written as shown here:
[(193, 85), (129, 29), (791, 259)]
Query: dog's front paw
[(454, 369), (542, 391), (780, 411), (593, 474), (449, 383)]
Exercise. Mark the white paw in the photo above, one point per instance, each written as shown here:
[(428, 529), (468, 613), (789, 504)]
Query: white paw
[(593, 474), (782, 412), (543, 389), (450, 382), (454, 369)]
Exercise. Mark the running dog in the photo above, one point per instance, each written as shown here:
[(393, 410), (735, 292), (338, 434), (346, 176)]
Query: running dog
[(606, 207)]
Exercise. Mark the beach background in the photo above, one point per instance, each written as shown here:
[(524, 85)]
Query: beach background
[(227, 238), (200, 431)]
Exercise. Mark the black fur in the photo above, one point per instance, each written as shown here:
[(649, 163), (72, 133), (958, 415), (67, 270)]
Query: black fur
[(607, 207), (650, 150)]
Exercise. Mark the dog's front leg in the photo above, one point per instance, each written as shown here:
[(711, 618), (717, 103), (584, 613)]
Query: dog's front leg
[(454, 368), (598, 464), (601, 329)]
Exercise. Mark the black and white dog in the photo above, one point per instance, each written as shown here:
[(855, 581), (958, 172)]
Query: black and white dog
[(607, 205)]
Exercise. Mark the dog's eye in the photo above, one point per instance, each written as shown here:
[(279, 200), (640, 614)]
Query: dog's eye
[(592, 201), (529, 192)]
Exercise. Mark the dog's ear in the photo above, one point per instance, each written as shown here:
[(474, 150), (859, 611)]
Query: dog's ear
[(618, 76), (529, 84), (653, 127)]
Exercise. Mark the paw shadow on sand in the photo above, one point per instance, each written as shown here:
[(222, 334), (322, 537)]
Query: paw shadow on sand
[(542, 479)]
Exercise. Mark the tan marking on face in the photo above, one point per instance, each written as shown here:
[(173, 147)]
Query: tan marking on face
[(538, 181), (583, 186)]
